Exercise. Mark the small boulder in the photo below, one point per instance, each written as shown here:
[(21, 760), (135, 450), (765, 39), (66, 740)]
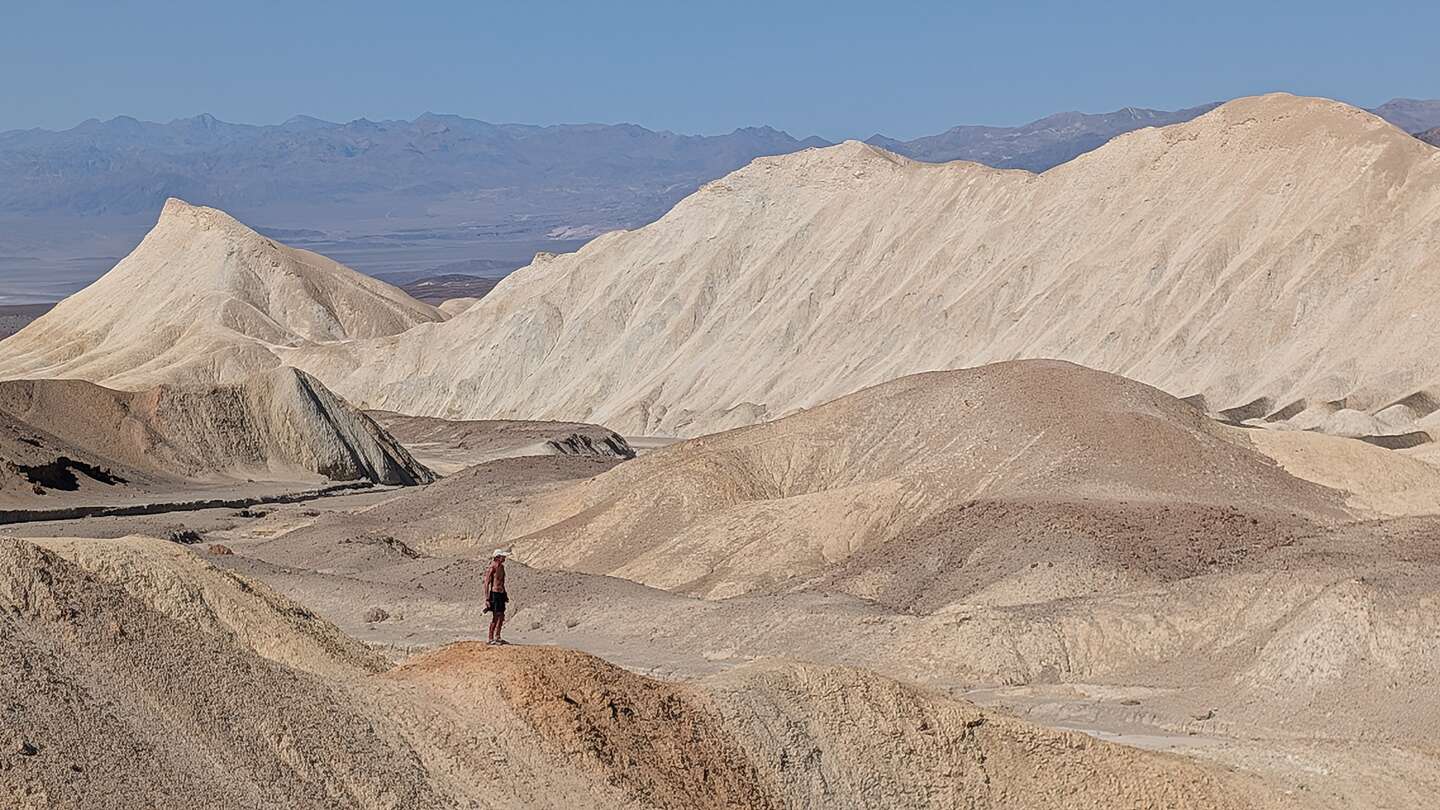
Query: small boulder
[(220, 550), (375, 615), (185, 537)]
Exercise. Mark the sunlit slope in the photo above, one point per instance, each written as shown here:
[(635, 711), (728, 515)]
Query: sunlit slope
[(1279, 252)]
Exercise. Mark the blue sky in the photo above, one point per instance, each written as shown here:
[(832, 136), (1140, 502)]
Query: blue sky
[(837, 68)]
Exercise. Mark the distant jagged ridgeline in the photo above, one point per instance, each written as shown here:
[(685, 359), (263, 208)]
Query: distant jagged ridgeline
[(1275, 258)]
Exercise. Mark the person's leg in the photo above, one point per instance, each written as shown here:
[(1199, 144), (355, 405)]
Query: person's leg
[(499, 625), (494, 625)]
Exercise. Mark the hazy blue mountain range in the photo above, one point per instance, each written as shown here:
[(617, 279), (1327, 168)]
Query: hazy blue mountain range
[(1055, 139), (1411, 115), (382, 196), (125, 166), (1038, 145), (440, 191)]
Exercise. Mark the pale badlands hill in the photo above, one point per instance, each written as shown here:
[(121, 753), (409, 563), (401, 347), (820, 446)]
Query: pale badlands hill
[(1250, 256), (120, 690), (66, 442), (204, 299)]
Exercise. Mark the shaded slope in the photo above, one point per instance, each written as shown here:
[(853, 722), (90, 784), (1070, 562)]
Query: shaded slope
[(1244, 256), (124, 706), (281, 425), (177, 583), (204, 299)]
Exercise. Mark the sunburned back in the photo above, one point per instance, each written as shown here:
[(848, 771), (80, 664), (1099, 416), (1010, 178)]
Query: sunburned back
[(495, 577)]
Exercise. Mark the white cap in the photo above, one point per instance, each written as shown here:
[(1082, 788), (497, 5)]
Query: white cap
[(500, 552)]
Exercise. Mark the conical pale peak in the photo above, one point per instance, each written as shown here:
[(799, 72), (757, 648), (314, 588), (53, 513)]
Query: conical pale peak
[(178, 213)]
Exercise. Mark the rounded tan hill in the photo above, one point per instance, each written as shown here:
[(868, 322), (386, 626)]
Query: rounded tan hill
[(1025, 458), (117, 691), (73, 440), (1246, 256), (204, 299)]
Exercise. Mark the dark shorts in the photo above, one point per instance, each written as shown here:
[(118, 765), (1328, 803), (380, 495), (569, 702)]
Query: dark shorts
[(497, 601)]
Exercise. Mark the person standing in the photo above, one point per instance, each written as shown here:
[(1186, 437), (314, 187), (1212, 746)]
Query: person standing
[(495, 595)]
